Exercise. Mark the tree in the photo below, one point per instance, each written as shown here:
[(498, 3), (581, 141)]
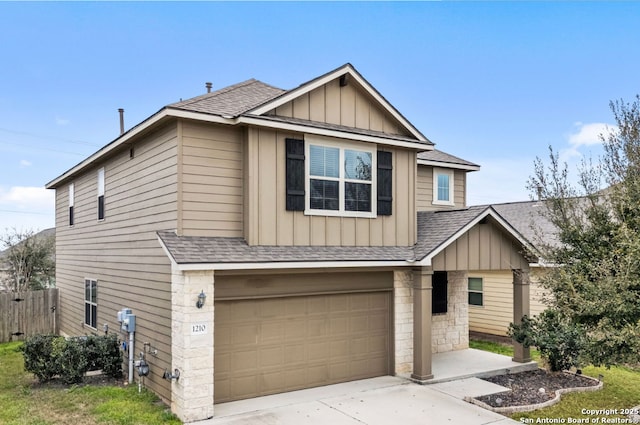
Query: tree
[(29, 259), (594, 281)]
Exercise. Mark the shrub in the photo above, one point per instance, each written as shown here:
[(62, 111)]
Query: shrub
[(72, 361), (48, 356), (40, 356), (561, 343), (103, 352)]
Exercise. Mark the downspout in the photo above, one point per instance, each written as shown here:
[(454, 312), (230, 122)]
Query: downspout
[(131, 351)]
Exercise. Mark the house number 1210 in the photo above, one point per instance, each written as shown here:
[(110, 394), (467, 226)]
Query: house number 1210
[(198, 329)]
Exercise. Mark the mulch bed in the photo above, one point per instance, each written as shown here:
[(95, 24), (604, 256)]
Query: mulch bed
[(526, 387)]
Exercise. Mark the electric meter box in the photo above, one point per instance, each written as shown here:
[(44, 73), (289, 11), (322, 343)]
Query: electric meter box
[(122, 313), (129, 323), (127, 320)]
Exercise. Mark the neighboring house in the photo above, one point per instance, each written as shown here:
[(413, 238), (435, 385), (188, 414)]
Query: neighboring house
[(491, 292), (4, 267), (295, 213)]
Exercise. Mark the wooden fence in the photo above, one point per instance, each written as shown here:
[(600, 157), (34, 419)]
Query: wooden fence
[(23, 314)]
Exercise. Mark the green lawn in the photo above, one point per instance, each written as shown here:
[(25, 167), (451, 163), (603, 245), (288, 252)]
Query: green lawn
[(621, 390), (24, 402)]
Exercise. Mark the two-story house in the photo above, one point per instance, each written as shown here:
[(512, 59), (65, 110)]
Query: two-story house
[(269, 240)]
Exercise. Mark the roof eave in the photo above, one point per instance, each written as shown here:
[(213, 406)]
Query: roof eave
[(489, 211), (466, 167), (324, 79), (109, 147)]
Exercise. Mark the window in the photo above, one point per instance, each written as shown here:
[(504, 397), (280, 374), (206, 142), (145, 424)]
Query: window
[(340, 179), (439, 293), (71, 200), (475, 291), (443, 186), (101, 194), (91, 303), (324, 177)]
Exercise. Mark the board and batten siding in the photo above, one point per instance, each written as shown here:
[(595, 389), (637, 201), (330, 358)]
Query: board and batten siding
[(424, 192), (350, 106), (212, 180), (496, 313), (267, 222), (122, 251), (483, 247)]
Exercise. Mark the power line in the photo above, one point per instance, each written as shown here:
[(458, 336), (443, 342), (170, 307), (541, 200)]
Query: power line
[(25, 212), (62, 139), (41, 148)]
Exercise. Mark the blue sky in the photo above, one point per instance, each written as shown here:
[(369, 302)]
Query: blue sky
[(494, 83)]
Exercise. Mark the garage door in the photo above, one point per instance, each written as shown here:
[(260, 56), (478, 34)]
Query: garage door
[(274, 345)]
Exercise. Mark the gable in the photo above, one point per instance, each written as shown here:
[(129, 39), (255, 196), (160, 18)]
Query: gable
[(348, 105), (485, 246)]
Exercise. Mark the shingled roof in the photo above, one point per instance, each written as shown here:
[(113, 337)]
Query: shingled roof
[(528, 219), (199, 249), (232, 100), (437, 156), (435, 229)]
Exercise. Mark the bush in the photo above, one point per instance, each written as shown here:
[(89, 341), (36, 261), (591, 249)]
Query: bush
[(48, 356), (561, 343), (72, 361), (103, 352), (40, 356)]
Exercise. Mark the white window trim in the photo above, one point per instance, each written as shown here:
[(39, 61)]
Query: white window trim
[(342, 145), (71, 202), (476, 292), (450, 173), (89, 279), (100, 193)]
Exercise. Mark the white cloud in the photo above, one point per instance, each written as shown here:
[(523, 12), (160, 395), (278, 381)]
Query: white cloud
[(589, 134), (584, 136), (27, 198), (24, 163), (26, 207)]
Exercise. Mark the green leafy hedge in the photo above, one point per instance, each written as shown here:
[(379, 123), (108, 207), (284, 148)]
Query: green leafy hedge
[(48, 356)]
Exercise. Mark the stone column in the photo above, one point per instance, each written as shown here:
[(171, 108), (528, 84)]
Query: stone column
[(403, 320), (192, 345), (422, 287), (521, 301)]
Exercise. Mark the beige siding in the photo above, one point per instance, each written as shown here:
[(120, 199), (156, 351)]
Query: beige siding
[(484, 247), (350, 106), (537, 293), (212, 180), (497, 312), (267, 222), (424, 193), (122, 252)]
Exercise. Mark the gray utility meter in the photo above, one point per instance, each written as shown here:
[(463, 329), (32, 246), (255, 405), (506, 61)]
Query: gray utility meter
[(127, 320)]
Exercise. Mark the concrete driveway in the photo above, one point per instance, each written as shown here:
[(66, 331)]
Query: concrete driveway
[(385, 400)]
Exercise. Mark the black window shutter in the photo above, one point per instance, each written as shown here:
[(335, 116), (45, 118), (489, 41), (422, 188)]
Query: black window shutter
[(385, 183), (295, 174), (439, 293), (101, 207)]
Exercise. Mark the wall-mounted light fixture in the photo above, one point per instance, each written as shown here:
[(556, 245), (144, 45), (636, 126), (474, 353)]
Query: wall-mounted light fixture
[(201, 299)]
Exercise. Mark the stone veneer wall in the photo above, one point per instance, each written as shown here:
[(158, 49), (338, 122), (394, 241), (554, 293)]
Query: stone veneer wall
[(192, 345), (403, 320), (450, 331)]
